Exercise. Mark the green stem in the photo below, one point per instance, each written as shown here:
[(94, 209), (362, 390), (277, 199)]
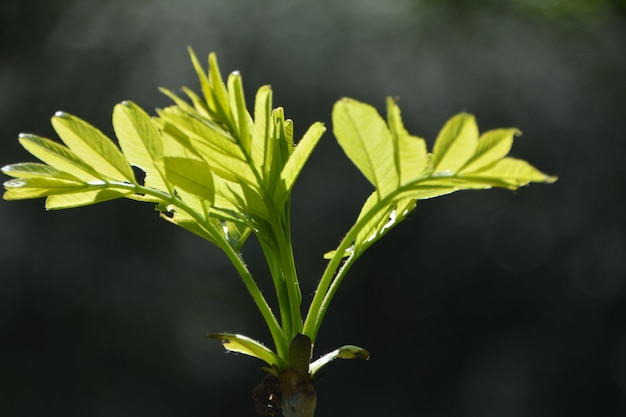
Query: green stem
[(281, 343), (331, 279), (279, 285), (290, 274)]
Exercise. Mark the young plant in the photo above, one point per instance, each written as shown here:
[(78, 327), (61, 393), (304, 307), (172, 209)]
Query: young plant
[(217, 170)]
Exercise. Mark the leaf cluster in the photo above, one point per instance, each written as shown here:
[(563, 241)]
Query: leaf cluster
[(217, 170)]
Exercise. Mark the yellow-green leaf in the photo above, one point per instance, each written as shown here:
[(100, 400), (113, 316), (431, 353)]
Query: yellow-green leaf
[(63, 201), (492, 146), (140, 141), (35, 169), (242, 344), (35, 187), (219, 94), (191, 175), (455, 144), (364, 137), (92, 146), (57, 156), (243, 121), (262, 144), (510, 173), (301, 154), (344, 352), (411, 156)]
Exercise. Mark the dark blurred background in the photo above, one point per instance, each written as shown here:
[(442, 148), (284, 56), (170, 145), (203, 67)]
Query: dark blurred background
[(481, 304)]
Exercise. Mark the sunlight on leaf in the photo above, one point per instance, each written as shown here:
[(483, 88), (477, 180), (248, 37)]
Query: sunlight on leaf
[(242, 344), (140, 141), (301, 154), (364, 137), (191, 175), (455, 144), (92, 146), (344, 352)]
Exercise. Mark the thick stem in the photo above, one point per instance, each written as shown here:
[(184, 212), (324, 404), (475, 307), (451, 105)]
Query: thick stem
[(298, 395)]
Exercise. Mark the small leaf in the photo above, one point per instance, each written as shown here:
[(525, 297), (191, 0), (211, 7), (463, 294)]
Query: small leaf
[(243, 121), (301, 154), (411, 156), (219, 94), (344, 352), (35, 187), (93, 147), (242, 344), (63, 201), (510, 173), (191, 175), (262, 144), (140, 141), (364, 137), (34, 169), (455, 144), (184, 220), (57, 156), (204, 80), (492, 146)]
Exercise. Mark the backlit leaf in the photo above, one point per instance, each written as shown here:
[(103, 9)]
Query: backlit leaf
[(344, 352), (92, 146), (510, 173), (63, 201), (242, 344), (34, 169), (301, 154), (219, 94), (455, 144), (191, 175), (364, 137), (57, 156), (36, 187), (262, 144), (140, 141), (243, 121), (492, 146)]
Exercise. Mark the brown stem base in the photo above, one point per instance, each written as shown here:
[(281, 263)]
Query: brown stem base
[(298, 395)]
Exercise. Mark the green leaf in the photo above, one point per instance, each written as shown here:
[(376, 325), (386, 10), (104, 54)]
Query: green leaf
[(243, 344), (344, 352), (184, 220), (411, 157), (63, 201), (301, 154), (140, 141), (210, 143), (492, 146), (204, 80), (509, 173), (93, 147), (191, 175), (34, 169), (455, 144), (57, 156), (364, 137), (383, 220), (219, 95), (35, 187), (243, 121), (262, 144), (198, 104)]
